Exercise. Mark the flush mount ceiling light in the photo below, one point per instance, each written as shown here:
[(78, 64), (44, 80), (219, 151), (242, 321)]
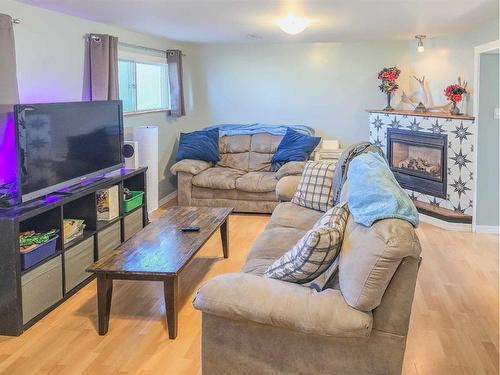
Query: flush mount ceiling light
[(293, 25), (420, 43)]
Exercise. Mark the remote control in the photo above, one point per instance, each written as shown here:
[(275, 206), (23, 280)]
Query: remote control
[(190, 229)]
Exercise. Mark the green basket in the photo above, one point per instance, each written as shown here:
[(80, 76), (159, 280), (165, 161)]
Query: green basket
[(134, 202)]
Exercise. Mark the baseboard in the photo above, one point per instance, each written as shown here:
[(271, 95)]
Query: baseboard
[(460, 227), (487, 229), (167, 198)]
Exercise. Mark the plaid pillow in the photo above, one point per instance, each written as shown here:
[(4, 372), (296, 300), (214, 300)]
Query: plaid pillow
[(314, 252), (315, 186)]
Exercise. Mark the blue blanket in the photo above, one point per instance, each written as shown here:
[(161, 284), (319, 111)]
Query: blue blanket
[(374, 194), (237, 129)]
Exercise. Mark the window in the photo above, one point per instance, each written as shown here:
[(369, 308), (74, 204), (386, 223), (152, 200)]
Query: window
[(143, 82)]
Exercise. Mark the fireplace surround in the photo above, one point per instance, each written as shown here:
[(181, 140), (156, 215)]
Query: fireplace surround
[(418, 160), (438, 170)]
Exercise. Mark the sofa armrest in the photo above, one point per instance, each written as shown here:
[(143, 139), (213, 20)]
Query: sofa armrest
[(190, 166), (243, 296), (286, 187), (292, 168)]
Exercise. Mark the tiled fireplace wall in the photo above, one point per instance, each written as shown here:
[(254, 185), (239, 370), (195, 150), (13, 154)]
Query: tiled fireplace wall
[(461, 156)]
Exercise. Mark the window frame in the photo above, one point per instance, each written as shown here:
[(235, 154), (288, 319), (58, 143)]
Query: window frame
[(140, 57)]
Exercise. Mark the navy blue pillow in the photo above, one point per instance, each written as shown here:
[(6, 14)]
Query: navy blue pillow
[(294, 146), (199, 145)]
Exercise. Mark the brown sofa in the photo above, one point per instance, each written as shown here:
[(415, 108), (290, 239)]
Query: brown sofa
[(358, 325), (242, 179)]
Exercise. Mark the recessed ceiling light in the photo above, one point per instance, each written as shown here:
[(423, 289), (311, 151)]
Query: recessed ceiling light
[(293, 25)]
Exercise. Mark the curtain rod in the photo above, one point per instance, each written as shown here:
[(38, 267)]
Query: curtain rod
[(136, 46), (123, 44)]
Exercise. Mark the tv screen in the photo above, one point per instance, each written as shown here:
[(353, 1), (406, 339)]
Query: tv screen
[(62, 144)]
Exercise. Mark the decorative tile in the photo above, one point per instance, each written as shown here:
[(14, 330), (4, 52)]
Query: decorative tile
[(461, 157)]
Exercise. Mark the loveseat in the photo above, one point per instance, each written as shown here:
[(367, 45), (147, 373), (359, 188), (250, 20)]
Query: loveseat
[(242, 179), (357, 325)]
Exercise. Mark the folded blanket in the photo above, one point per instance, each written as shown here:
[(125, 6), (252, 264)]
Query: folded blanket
[(374, 194), (238, 129), (340, 174)]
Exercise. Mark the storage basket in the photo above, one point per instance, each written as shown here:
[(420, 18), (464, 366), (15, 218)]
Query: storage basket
[(38, 253), (133, 202)]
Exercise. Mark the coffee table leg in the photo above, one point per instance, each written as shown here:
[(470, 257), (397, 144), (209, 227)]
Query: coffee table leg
[(104, 293), (171, 297), (225, 238)]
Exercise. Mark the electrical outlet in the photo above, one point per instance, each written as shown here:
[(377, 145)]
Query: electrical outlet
[(497, 114)]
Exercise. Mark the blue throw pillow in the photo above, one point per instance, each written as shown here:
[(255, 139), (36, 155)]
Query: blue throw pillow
[(199, 145), (294, 146)]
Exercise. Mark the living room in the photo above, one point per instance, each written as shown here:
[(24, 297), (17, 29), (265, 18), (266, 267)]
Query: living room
[(208, 95)]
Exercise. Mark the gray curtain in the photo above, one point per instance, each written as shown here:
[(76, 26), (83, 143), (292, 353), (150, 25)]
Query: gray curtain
[(8, 76), (174, 61), (103, 53)]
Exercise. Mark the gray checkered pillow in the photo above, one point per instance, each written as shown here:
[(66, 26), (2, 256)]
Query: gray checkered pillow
[(315, 186), (314, 252)]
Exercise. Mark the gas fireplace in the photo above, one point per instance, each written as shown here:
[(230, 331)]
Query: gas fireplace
[(418, 160)]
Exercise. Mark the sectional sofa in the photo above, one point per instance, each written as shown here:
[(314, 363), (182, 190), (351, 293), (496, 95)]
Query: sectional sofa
[(357, 325)]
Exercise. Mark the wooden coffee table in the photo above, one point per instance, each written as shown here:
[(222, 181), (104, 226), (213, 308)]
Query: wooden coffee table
[(158, 253)]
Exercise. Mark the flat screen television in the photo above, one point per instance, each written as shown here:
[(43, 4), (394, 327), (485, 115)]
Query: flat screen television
[(63, 144)]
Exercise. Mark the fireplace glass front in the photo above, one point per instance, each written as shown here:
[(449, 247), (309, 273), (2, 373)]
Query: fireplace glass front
[(418, 160)]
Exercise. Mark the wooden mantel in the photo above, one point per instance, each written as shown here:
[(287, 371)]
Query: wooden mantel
[(422, 114)]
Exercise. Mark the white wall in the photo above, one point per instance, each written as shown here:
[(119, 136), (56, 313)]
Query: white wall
[(329, 85), (50, 49), (488, 142), (447, 58), (326, 86)]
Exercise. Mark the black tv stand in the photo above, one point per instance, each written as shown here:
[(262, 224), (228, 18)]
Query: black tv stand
[(30, 294), (86, 184)]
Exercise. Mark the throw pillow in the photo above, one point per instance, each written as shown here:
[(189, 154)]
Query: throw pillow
[(199, 145), (315, 186), (314, 252), (294, 146)]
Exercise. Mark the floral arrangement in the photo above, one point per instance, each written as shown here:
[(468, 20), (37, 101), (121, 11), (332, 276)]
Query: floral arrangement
[(388, 76), (454, 92)]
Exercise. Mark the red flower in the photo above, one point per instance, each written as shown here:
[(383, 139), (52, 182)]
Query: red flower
[(456, 98)]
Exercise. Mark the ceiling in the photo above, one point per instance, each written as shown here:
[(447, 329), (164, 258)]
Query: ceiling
[(226, 21)]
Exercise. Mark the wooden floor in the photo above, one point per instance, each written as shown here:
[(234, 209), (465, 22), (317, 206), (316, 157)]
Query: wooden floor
[(454, 325)]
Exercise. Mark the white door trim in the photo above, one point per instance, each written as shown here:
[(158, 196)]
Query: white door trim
[(491, 46)]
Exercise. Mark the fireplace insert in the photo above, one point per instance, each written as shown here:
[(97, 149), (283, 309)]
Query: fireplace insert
[(418, 160)]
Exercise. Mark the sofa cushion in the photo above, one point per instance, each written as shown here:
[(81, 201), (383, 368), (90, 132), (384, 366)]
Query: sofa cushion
[(248, 152), (190, 166), (241, 296), (217, 178), (288, 214), (199, 145), (286, 187), (294, 146), (315, 186), (369, 258), (257, 182), (269, 246), (234, 151), (262, 148), (292, 168), (314, 252), (233, 194)]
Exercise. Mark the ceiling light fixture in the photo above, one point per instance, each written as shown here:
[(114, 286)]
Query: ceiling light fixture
[(420, 43), (293, 25)]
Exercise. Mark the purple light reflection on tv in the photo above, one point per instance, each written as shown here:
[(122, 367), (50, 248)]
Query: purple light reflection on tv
[(8, 153)]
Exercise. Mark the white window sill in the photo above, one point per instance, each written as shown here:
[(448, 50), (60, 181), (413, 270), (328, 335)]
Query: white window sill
[(146, 112)]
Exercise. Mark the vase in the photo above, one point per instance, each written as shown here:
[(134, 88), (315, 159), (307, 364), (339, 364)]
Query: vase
[(454, 109), (388, 107)]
